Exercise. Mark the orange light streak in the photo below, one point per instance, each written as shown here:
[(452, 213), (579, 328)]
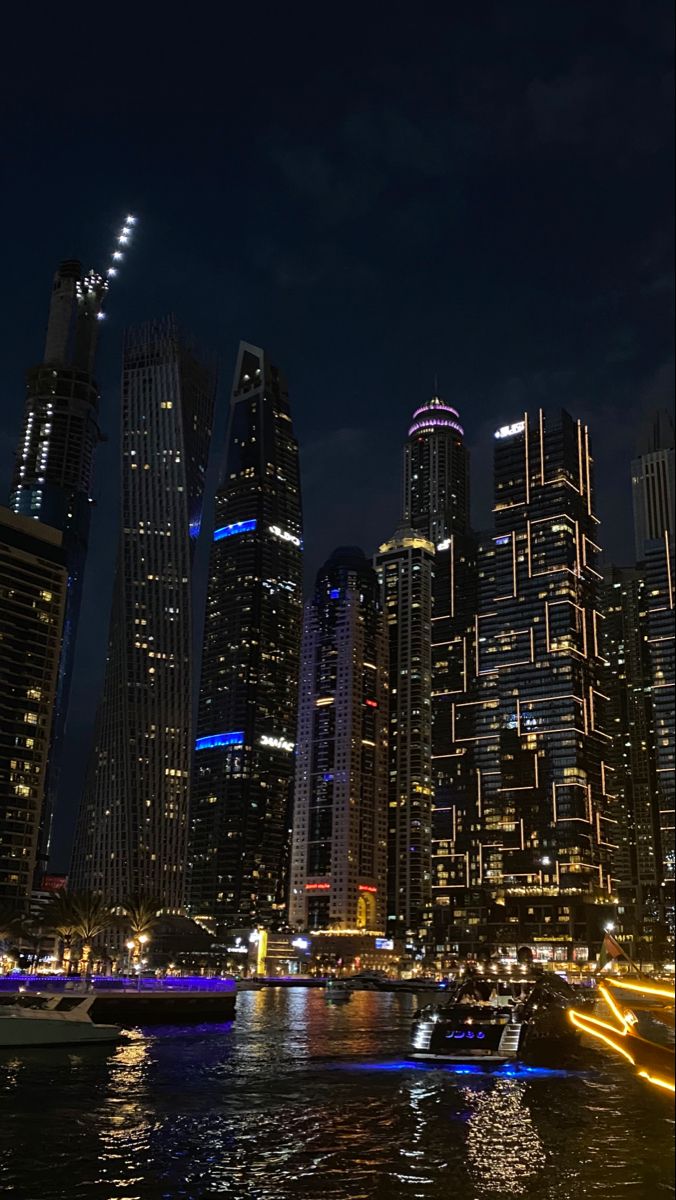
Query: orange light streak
[(662, 1083)]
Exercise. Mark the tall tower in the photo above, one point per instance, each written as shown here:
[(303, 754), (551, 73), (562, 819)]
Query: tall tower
[(246, 726), (32, 603), (54, 462), (436, 472), (53, 468), (437, 503), (133, 827), (652, 481), (659, 574), (654, 496), (543, 809), (405, 568), (339, 854), (637, 862)]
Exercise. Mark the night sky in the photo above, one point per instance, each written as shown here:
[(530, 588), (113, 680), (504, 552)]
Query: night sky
[(478, 193)]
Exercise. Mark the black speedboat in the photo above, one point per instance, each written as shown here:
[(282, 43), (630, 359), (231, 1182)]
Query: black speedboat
[(495, 1016)]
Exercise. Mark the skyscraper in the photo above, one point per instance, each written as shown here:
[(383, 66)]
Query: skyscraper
[(437, 503), (133, 828), (533, 846), (246, 726), (652, 480), (32, 604), (453, 683), (654, 496), (637, 862), (544, 805), (53, 469), (436, 472), (659, 571), (339, 852), (405, 567)]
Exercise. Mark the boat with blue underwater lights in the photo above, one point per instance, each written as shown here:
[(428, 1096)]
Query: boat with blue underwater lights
[(496, 1016)]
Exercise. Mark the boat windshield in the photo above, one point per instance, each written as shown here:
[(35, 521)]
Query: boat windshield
[(497, 992)]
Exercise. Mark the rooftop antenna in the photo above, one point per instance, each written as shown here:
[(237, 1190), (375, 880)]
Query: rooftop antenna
[(436, 386)]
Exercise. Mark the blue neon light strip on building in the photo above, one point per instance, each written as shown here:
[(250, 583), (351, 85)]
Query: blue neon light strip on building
[(237, 527), (219, 739)]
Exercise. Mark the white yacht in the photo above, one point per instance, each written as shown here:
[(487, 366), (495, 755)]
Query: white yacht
[(61, 1020)]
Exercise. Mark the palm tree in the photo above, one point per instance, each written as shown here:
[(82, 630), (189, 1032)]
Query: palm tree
[(142, 914), (92, 915), (61, 915), (10, 924), (9, 921)]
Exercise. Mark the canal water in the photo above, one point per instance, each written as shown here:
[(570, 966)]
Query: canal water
[(297, 1098)]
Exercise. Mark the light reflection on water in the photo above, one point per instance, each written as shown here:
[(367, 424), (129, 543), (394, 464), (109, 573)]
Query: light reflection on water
[(299, 1098)]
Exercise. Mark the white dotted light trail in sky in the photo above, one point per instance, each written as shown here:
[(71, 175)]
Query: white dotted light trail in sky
[(98, 284)]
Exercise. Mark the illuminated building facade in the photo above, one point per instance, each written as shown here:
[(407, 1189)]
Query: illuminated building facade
[(133, 827), (405, 568), (53, 469), (246, 728), (436, 472), (339, 848), (652, 481), (659, 573), (533, 847), (453, 683), (32, 604), (637, 862), (437, 503)]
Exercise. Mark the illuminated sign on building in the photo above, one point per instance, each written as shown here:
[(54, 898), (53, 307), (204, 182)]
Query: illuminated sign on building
[(54, 883), (276, 743), (284, 536), (510, 430), (368, 887), (384, 944), (446, 543), (219, 739), (227, 531), (317, 887)]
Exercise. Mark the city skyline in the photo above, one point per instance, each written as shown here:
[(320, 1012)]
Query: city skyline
[(338, 602), (503, 223), (63, 863), (262, 461)]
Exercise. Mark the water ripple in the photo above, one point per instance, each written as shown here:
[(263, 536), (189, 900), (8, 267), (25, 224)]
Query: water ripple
[(299, 1099)]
